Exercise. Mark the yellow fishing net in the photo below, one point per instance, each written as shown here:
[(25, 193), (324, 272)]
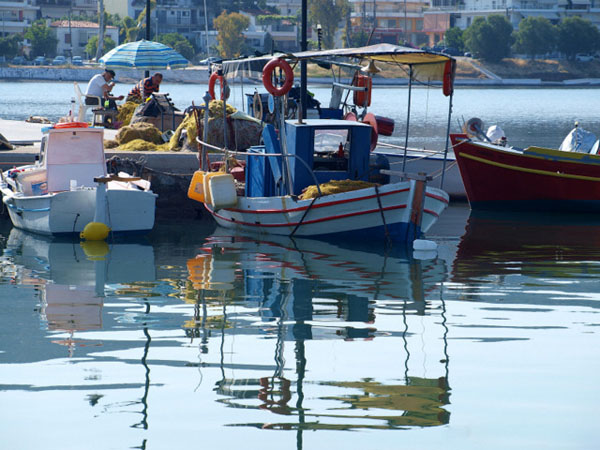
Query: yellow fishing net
[(126, 112), (335, 187), (140, 145)]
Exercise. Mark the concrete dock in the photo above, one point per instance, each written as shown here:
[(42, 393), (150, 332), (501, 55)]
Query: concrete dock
[(169, 172)]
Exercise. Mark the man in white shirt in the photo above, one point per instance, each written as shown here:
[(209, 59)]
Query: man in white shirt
[(100, 86)]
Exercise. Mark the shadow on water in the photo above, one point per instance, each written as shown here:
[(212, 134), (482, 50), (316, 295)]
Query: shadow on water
[(539, 246), (308, 290)]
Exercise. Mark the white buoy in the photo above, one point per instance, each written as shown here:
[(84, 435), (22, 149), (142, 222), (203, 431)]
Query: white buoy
[(424, 254), (424, 245)]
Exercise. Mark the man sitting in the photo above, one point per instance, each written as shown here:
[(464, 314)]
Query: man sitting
[(145, 88), (100, 86)]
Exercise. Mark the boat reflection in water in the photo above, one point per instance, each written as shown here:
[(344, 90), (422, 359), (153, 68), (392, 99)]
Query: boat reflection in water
[(380, 312), (71, 278), (544, 247)]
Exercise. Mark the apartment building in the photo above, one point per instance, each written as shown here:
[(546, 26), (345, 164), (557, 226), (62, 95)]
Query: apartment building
[(74, 35), (391, 21), (443, 14), (17, 16)]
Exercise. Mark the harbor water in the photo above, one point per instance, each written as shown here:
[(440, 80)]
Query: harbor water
[(529, 116), (194, 336)]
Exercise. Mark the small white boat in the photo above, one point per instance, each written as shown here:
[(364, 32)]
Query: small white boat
[(68, 187)]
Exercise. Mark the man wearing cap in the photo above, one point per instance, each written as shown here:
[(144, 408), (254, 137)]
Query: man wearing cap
[(100, 86), (145, 88)]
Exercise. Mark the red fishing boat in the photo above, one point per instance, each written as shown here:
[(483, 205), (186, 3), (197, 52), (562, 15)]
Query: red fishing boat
[(499, 177)]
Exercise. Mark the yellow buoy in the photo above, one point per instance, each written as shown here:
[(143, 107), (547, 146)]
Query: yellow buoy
[(95, 250), (95, 231)]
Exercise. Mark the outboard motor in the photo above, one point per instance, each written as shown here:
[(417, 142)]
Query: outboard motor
[(579, 140)]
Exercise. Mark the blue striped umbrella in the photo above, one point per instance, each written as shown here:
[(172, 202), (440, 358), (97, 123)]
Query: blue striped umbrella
[(147, 55)]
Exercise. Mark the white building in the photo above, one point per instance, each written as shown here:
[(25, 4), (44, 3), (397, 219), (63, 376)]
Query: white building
[(75, 35), (17, 16), (56, 9), (461, 13)]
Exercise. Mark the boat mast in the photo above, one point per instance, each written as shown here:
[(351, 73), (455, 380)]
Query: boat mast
[(447, 139), (410, 76), (303, 47)]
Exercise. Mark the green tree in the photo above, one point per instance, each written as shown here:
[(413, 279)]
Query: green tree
[(454, 38), (489, 39), (328, 13), (577, 35), (229, 27), (535, 36), (178, 43), (42, 38), (9, 45), (92, 45)]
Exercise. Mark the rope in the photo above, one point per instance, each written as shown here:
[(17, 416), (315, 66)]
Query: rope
[(385, 229), (303, 216)]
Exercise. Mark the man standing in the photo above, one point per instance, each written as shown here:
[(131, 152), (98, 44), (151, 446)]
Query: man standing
[(145, 88), (99, 87)]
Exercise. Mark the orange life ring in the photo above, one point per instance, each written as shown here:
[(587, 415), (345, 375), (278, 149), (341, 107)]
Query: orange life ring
[(448, 80), (370, 119), (362, 98), (71, 125), (268, 72), (211, 84)]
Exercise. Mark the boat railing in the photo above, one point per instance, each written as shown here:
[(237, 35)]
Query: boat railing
[(266, 155)]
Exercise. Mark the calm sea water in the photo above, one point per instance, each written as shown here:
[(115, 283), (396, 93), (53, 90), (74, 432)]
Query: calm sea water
[(194, 337), (535, 116)]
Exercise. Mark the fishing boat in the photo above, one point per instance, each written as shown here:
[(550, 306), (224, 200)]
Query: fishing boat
[(304, 155), (68, 187), (502, 177), (350, 99)]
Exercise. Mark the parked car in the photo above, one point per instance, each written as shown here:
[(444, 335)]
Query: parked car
[(40, 61), (19, 60), (211, 60), (584, 57), (59, 61), (468, 54), (451, 51), (77, 61)]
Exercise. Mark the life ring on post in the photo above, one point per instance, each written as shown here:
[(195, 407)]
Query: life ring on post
[(211, 84), (267, 77), (257, 106), (448, 80)]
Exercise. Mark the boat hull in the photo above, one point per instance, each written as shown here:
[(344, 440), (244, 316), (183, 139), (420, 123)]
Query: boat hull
[(499, 178), (398, 211), (70, 211)]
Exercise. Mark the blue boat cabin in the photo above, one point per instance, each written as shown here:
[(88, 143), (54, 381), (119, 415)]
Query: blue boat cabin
[(332, 149)]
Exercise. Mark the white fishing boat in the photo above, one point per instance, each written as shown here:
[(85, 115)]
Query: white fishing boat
[(68, 187), (310, 154)]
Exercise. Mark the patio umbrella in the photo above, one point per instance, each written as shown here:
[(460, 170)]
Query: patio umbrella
[(147, 55)]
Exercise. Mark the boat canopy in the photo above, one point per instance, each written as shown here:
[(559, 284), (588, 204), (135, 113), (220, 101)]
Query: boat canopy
[(426, 66)]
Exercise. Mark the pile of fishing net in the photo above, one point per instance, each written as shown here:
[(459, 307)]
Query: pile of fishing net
[(126, 112), (335, 187), (242, 130), (139, 136)]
